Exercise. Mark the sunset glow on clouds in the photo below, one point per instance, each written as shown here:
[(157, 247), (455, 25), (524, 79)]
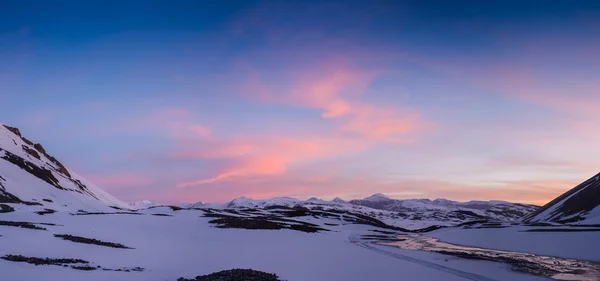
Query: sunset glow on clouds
[(207, 103)]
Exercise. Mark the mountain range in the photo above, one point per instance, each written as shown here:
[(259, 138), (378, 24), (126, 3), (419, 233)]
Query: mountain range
[(55, 225), (30, 176)]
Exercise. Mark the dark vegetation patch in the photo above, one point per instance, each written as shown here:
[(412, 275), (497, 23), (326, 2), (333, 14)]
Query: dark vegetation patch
[(162, 215), (21, 224), (235, 275), (77, 264), (85, 213), (562, 230), (6, 208), (127, 269), (45, 212), (83, 267), (78, 239), (42, 261)]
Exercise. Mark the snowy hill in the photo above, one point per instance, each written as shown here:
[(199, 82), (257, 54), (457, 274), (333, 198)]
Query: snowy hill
[(411, 213), (144, 204), (579, 205), (31, 178)]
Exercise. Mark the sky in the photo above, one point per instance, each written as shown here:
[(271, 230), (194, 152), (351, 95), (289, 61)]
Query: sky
[(186, 101)]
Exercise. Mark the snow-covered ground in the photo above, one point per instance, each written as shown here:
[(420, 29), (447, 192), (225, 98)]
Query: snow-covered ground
[(185, 244), (576, 245)]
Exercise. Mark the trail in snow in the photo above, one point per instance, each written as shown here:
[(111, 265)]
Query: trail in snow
[(467, 275)]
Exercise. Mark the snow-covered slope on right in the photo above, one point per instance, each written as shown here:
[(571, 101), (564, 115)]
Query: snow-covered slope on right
[(580, 205)]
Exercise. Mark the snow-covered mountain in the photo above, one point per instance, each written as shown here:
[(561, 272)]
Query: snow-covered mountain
[(446, 209), (579, 205), (144, 204), (411, 213), (29, 176)]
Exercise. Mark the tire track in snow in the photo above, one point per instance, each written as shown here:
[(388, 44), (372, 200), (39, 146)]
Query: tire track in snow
[(460, 273)]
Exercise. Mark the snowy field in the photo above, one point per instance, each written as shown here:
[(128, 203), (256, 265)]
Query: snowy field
[(576, 245), (186, 245)]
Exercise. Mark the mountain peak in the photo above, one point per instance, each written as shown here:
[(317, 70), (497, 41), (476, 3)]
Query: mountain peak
[(378, 197)]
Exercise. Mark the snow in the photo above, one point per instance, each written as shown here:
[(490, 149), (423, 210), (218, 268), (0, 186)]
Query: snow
[(245, 202), (185, 245), (144, 204), (575, 245)]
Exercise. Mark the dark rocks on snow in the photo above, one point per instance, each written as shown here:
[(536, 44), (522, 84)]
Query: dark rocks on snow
[(6, 197), (45, 212), (41, 173), (574, 204), (235, 275), (13, 130), (85, 213), (6, 208), (47, 200), (83, 267), (41, 261), (267, 222), (21, 224), (31, 152), (61, 167), (78, 239), (175, 208)]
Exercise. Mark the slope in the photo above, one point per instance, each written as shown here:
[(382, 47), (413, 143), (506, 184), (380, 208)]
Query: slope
[(31, 178), (580, 204)]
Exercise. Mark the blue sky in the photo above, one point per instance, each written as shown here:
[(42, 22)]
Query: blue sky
[(181, 101)]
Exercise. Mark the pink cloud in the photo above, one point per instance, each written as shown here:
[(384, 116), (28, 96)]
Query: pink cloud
[(268, 155), (334, 87), (338, 91)]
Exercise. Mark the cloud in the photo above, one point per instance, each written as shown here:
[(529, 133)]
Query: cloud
[(338, 90), (267, 155)]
